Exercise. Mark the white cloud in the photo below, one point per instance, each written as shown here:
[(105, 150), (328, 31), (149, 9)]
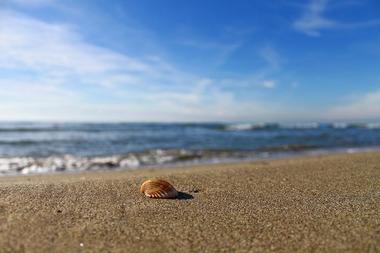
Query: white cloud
[(220, 51), (314, 20), (29, 43), (52, 50), (271, 57), (270, 84), (201, 103), (365, 108), (32, 2), (259, 79), (52, 73)]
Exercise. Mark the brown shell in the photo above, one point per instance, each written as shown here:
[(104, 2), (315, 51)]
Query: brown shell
[(157, 188)]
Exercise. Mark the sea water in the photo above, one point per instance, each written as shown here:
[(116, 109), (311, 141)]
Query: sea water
[(31, 147)]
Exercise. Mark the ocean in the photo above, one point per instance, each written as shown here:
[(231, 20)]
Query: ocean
[(29, 148)]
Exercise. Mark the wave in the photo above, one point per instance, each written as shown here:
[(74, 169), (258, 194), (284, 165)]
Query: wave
[(27, 129), (150, 158), (27, 165), (25, 142), (133, 160), (299, 126), (251, 127), (123, 127), (51, 129), (342, 125)]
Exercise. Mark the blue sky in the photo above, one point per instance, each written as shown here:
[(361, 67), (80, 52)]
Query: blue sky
[(167, 60)]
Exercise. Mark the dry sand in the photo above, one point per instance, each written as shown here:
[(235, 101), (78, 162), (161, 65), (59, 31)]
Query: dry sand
[(315, 204)]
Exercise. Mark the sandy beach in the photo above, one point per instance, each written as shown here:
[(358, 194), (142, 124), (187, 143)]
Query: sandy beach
[(311, 204)]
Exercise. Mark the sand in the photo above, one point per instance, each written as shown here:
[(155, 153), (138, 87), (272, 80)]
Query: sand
[(311, 204)]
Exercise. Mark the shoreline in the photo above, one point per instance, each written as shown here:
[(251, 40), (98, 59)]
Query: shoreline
[(35, 165), (320, 203)]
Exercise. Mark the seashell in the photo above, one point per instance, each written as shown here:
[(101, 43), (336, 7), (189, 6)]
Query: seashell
[(157, 188)]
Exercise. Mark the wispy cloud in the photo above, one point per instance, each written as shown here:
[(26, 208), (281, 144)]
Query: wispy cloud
[(33, 2), (264, 77), (363, 108), (314, 20), (218, 48), (53, 73), (220, 51), (270, 84), (257, 80), (29, 43), (271, 56)]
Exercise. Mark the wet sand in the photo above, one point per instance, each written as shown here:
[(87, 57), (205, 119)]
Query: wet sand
[(311, 204)]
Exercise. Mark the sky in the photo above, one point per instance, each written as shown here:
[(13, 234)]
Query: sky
[(181, 61)]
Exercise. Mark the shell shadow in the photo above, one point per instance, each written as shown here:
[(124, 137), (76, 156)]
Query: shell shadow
[(184, 196)]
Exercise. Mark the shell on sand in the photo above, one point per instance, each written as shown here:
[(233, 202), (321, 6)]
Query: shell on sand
[(157, 188)]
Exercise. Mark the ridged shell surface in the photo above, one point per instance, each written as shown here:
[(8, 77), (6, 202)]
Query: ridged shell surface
[(158, 188)]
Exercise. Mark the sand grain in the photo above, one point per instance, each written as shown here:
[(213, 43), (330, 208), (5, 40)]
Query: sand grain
[(317, 204)]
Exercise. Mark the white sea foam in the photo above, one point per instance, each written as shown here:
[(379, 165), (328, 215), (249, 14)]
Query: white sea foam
[(340, 125), (240, 127), (373, 125), (38, 148), (307, 125)]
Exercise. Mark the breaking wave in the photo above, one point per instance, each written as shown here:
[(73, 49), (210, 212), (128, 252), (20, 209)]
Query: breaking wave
[(152, 158), (300, 126), (49, 147)]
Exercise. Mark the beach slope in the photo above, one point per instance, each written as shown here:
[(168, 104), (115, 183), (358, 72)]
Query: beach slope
[(313, 204)]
